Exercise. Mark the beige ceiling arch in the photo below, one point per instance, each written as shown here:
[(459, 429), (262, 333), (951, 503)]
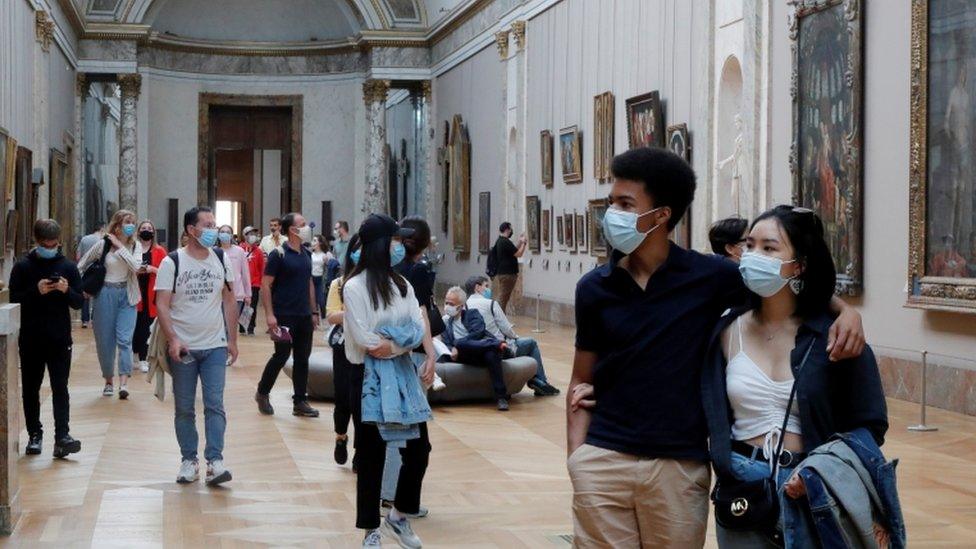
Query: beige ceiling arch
[(365, 11)]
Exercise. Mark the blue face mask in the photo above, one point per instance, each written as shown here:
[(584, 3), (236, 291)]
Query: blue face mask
[(46, 253), (620, 229), (354, 257), (208, 238), (397, 253), (225, 237), (761, 273), (128, 229), (487, 293)]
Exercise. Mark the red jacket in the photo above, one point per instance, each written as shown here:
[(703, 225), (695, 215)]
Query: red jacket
[(255, 261), (157, 255)]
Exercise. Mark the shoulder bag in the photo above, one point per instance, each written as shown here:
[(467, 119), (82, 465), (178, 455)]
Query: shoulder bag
[(93, 279)]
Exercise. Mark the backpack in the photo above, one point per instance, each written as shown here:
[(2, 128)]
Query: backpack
[(491, 266)]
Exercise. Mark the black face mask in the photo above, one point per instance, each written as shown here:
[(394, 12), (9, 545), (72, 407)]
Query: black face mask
[(146, 235)]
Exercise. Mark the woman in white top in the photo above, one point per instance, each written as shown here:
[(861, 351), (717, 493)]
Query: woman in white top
[(237, 258), (320, 258), (114, 308), (374, 295)]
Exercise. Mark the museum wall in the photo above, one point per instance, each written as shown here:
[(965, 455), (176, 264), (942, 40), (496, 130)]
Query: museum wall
[(61, 105), (332, 138), (16, 69)]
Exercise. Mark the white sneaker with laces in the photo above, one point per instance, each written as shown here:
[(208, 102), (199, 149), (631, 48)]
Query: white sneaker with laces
[(108, 390), (189, 472), (373, 539), (143, 366), (217, 474), (401, 531)]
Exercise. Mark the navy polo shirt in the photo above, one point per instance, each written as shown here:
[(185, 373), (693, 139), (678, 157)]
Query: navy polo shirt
[(293, 272), (651, 343)]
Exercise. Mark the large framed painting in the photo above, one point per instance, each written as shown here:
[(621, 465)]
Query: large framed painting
[(942, 170), (547, 229), (569, 231), (545, 156), (678, 141), (532, 218), (602, 135), (484, 222), (645, 121), (595, 210), (571, 154), (825, 158), (460, 182)]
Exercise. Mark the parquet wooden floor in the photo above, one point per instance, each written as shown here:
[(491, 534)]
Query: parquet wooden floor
[(495, 480)]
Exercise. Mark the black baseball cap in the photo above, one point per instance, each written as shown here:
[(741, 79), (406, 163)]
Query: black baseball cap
[(378, 226)]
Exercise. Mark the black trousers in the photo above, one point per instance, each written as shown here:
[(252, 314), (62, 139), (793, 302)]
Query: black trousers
[(34, 357), (300, 348), (140, 336), (341, 377), (371, 452), (255, 297), (490, 358)]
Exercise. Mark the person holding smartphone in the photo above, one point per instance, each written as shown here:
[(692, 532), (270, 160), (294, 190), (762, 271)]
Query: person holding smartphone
[(47, 285), (151, 255)]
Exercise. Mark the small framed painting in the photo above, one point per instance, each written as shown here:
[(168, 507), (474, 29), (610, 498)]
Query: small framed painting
[(645, 121), (532, 212), (569, 226), (545, 152), (581, 232), (571, 154), (484, 222), (560, 233), (547, 229), (595, 211), (678, 141)]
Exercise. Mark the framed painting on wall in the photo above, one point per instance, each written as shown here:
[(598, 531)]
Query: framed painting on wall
[(10, 231), (645, 121), (678, 141), (595, 211), (581, 232), (484, 222), (26, 200), (545, 157), (569, 231), (460, 184), (560, 233), (602, 135), (825, 159), (547, 229), (571, 154), (532, 214), (10, 170), (942, 174)]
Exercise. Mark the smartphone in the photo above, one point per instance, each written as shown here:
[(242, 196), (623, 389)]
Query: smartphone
[(54, 278)]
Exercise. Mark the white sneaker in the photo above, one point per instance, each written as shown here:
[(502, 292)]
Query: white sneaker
[(216, 473), (373, 539), (189, 472), (439, 384), (108, 390), (401, 531), (143, 366), (123, 391)]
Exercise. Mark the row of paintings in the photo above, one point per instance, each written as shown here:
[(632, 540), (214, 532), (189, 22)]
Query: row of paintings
[(571, 231)]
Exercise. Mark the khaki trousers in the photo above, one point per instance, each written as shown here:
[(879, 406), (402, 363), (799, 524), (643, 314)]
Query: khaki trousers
[(504, 285), (622, 501)]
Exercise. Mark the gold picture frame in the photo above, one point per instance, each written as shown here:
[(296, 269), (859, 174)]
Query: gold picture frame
[(545, 157), (927, 289), (571, 154), (603, 134), (460, 185)]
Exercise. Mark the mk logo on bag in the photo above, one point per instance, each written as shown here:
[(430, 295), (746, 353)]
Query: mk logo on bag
[(739, 507)]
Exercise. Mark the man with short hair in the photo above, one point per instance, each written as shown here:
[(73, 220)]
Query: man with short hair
[(341, 244), (478, 288), (255, 262), (503, 262), (197, 311), (47, 285), (84, 245), (470, 343), (274, 240), (638, 461), (728, 237), (290, 307)]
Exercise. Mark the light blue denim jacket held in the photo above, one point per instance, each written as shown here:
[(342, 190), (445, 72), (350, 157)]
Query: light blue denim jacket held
[(393, 397)]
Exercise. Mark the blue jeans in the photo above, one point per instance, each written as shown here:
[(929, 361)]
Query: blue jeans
[(210, 366), (86, 311), (526, 346), (750, 469), (115, 321)]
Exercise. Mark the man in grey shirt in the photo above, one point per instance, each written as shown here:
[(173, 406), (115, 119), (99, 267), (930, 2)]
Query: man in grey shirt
[(84, 245), (341, 233)]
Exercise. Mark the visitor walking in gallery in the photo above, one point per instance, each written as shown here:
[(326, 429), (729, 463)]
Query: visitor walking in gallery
[(273, 240), (503, 263), (237, 258), (255, 264), (150, 255), (347, 380)]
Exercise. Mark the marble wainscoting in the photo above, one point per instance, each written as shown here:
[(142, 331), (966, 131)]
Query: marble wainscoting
[(203, 63), (949, 388)]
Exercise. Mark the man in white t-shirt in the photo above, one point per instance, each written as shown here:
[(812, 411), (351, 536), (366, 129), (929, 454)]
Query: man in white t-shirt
[(194, 311)]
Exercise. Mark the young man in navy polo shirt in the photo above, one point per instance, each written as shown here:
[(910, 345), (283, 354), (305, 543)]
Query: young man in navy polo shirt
[(639, 459), (288, 295)]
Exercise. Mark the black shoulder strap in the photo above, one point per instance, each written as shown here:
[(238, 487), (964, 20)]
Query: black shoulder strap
[(220, 257), (106, 248), (786, 418), (174, 256)]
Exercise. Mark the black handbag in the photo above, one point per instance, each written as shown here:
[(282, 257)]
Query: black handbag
[(93, 279), (753, 505)]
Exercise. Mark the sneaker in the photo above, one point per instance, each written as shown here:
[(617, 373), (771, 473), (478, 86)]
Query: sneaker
[(373, 539), (34, 444), (143, 366), (341, 453), (402, 532), (123, 392), (502, 405), (439, 384), (216, 473), (264, 404), (108, 390), (302, 409), (84, 325), (66, 445), (189, 472)]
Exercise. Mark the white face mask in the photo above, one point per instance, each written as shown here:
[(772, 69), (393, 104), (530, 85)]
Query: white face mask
[(305, 233), (761, 273), (620, 229), (252, 239), (451, 310)]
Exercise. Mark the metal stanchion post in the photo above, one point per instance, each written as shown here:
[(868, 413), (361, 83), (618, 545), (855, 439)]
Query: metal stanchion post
[(538, 326), (922, 427)]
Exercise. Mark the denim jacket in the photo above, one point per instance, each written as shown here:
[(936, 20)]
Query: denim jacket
[(393, 397)]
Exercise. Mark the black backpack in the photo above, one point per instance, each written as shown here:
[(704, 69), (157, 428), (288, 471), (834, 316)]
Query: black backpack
[(93, 279), (491, 266)]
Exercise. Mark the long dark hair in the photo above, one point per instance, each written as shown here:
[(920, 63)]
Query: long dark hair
[(374, 260), (420, 240), (806, 233)]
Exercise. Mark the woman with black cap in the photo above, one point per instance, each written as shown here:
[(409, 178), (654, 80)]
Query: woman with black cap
[(375, 296)]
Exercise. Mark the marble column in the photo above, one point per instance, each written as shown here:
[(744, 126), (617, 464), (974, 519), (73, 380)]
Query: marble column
[(427, 153), (81, 94), (44, 32), (374, 95), (9, 417), (130, 84)]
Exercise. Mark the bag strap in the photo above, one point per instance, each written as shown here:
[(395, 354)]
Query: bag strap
[(106, 248), (786, 417), (175, 258)]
